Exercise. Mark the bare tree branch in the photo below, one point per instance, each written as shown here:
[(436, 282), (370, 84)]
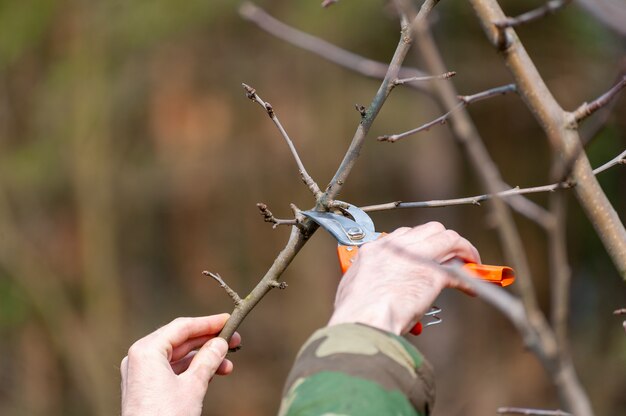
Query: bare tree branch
[(230, 292), (464, 101), (587, 109), (565, 140), (533, 412), (549, 8), (446, 75), (560, 272), (477, 199), (306, 178)]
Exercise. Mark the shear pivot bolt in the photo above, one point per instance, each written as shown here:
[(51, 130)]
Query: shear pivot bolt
[(356, 233)]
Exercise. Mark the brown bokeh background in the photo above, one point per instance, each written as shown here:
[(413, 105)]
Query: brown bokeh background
[(131, 160)]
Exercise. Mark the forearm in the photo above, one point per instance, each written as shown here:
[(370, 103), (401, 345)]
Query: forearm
[(359, 370)]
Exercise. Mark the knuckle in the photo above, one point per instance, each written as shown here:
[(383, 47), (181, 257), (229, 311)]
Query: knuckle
[(452, 236), (435, 225), (135, 350), (180, 321)]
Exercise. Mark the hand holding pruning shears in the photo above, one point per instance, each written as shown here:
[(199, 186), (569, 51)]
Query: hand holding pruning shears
[(399, 275)]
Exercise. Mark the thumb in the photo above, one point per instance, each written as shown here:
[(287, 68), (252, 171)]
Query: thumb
[(207, 360)]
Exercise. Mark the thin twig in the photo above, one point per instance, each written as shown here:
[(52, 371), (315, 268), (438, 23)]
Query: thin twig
[(471, 200), (533, 412), (549, 8), (619, 159), (403, 81), (464, 101), (233, 295), (269, 217), (477, 199), (306, 178), (346, 59), (587, 109)]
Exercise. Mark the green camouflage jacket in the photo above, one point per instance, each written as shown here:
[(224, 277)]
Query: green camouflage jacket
[(354, 369)]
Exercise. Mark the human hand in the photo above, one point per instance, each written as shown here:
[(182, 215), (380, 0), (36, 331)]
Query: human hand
[(168, 371), (394, 280)]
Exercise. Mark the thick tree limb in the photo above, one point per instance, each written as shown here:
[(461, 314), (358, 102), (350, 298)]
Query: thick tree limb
[(555, 122)]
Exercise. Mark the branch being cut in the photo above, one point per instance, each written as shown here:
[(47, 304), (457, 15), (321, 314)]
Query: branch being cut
[(464, 101), (550, 7), (306, 178), (587, 109)]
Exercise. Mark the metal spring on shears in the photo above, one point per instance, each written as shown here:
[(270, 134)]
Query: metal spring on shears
[(434, 318)]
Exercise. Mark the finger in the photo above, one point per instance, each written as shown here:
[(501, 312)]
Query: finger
[(445, 246), (225, 368), (124, 373), (189, 345), (235, 340), (181, 329), (207, 360), (180, 366), (421, 232)]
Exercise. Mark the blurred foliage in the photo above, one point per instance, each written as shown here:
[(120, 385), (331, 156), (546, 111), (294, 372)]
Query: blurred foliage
[(130, 161)]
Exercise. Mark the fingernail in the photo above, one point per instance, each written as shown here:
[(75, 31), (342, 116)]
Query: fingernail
[(219, 346)]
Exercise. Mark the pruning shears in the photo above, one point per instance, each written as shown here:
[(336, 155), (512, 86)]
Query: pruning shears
[(352, 227)]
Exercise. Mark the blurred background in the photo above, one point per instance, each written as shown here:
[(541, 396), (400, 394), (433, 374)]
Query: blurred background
[(131, 160)]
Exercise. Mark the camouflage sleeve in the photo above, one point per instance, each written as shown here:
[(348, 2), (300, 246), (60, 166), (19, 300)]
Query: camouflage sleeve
[(354, 369)]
